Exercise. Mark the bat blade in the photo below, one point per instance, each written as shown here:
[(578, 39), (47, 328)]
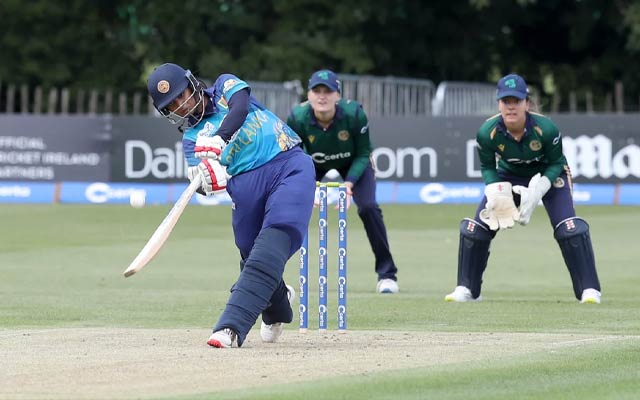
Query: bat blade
[(163, 230)]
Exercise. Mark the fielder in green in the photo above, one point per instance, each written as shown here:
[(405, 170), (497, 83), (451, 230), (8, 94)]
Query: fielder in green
[(530, 168), (335, 132)]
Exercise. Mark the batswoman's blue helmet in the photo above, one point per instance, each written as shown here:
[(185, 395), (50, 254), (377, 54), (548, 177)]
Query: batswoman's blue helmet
[(166, 83)]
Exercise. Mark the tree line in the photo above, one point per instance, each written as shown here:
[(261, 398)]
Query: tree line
[(558, 45)]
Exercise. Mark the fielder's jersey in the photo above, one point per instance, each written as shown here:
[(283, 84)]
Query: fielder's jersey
[(261, 137), (344, 144), (539, 150)]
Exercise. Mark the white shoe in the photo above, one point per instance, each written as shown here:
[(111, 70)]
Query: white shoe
[(271, 333), (387, 286), (590, 296), (461, 294), (222, 338)]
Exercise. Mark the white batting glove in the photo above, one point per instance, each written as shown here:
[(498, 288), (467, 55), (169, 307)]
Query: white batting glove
[(209, 147), (213, 175), (192, 172), (500, 211), (531, 195)]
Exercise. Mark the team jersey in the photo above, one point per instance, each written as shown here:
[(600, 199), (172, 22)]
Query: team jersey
[(344, 144), (539, 150), (261, 137)]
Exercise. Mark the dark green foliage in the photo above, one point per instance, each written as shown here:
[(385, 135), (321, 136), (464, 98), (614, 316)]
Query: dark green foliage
[(559, 45)]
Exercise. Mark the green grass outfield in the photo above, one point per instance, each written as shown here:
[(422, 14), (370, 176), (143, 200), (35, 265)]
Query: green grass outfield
[(61, 267)]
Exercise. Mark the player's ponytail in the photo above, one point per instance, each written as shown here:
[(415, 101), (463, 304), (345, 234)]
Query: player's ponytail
[(533, 105)]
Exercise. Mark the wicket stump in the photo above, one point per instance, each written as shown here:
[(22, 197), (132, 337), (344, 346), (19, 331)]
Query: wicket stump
[(322, 262)]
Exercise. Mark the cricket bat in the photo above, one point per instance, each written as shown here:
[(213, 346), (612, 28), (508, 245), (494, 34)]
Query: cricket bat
[(163, 231)]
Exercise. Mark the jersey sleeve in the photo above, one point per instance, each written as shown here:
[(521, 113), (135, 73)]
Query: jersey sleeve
[(228, 84), (238, 111), (363, 146), (552, 145), (487, 156)]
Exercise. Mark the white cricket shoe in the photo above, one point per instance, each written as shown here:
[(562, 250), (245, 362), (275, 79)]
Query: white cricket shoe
[(222, 338), (590, 296), (461, 294), (387, 286), (271, 333)]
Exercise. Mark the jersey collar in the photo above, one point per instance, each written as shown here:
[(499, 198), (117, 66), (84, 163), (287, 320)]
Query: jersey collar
[(338, 116), (529, 123)]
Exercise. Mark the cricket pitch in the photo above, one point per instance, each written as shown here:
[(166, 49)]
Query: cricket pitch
[(97, 363)]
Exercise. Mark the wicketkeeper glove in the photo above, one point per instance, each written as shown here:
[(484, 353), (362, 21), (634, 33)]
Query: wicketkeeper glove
[(500, 211), (209, 147), (531, 195), (213, 176)]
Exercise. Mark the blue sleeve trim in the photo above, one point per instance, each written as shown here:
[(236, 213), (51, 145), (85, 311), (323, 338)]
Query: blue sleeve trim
[(229, 84)]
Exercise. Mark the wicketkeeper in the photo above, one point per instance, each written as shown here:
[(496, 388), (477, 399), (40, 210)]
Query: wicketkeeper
[(531, 167)]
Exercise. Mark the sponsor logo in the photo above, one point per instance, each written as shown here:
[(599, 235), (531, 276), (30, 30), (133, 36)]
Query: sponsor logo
[(342, 313), (101, 193), (590, 157), (582, 196), (570, 225), (535, 145), (142, 161), (391, 163), (321, 158), (593, 157), (15, 191), (471, 226), (520, 161), (433, 193)]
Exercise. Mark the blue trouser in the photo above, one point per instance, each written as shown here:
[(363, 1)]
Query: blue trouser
[(364, 196), (272, 207)]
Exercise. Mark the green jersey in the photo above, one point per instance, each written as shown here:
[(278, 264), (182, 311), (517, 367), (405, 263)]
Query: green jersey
[(344, 145), (539, 150)]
